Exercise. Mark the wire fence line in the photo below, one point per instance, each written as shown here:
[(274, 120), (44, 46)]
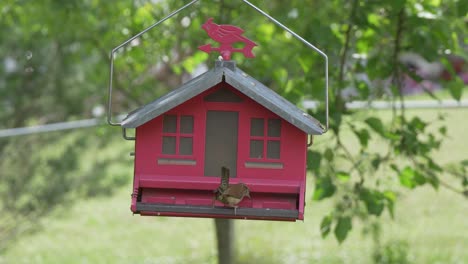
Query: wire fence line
[(308, 104), (11, 132), (381, 105)]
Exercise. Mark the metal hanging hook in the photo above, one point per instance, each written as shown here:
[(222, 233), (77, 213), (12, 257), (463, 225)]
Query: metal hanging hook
[(111, 77), (308, 44)]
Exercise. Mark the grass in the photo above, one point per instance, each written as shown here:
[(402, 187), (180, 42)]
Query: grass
[(102, 230)]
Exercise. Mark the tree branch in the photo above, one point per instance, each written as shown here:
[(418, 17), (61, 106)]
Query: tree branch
[(397, 79), (344, 55)]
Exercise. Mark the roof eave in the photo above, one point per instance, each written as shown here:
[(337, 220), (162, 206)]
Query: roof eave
[(238, 79), (272, 101), (173, 99)]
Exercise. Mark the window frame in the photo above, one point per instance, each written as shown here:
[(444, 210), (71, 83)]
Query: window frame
[(178, 135), (265, 138)]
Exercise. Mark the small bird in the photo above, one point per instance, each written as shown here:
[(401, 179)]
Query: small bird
[(230, 194)]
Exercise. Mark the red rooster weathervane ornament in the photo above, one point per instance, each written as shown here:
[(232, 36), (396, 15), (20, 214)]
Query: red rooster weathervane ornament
[(226, 36)]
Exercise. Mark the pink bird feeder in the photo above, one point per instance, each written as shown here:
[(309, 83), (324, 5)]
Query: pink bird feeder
[(222, 118)]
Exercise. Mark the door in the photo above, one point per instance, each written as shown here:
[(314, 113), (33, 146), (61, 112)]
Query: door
[(221, 142)]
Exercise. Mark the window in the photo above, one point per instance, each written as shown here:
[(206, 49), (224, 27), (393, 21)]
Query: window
[(177, 135), (265, 137)]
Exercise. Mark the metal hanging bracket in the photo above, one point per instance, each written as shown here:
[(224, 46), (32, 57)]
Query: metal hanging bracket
[(308, 44)]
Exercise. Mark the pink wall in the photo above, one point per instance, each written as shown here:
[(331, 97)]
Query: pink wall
[(149, 142)]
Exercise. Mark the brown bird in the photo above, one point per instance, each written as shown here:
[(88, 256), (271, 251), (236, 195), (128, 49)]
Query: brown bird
[(230, 194)]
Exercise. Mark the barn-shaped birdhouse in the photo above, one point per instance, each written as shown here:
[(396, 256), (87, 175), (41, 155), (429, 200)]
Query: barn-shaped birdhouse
[(222, 145), (222, 118)]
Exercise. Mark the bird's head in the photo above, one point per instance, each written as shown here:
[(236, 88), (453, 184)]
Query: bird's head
[(207, 25), (246, 191)]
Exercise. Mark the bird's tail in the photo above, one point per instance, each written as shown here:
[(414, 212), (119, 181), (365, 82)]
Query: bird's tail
[(249, 45), (224, 178), (247, 50)]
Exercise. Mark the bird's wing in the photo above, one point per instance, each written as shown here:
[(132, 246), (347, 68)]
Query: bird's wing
[(234, 190), (225, 30)]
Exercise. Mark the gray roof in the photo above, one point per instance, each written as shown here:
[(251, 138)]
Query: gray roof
[(237, 79)]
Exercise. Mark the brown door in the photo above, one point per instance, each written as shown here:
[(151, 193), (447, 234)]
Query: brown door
[(221, 142)]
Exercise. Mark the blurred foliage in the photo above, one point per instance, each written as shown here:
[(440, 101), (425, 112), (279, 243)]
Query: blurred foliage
[(54, 66), (393, 252), (44, 172)]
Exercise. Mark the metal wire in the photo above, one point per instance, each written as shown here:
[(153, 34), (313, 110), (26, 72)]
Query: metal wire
[(308, 44), (11, 132), (111, 77), (378, 105)]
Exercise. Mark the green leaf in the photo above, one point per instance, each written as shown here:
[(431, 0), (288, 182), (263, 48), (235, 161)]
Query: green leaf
[(411, 178), (394, 167), (432, 180), (419, 178), (455, 85), (443, 130), (305, 63), (398, 4), (324, 188), (376, 124), (407, 177), (363, 136), (391, 198), (374, 19), (374, 201), (343, 176), (342, 228), (376, 162), (392, 136), (314, 159), (363, 88), (329, 154), (376, 69), (462, 8), (325, 226), (433, 166), (456, 88), (417, 124)]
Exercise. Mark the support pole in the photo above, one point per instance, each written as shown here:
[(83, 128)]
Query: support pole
[(225, 240)]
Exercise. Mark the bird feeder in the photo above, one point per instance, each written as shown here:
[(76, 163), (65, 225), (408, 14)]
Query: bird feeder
[(222, 145)]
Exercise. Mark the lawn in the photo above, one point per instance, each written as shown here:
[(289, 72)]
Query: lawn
[(103, 230)]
